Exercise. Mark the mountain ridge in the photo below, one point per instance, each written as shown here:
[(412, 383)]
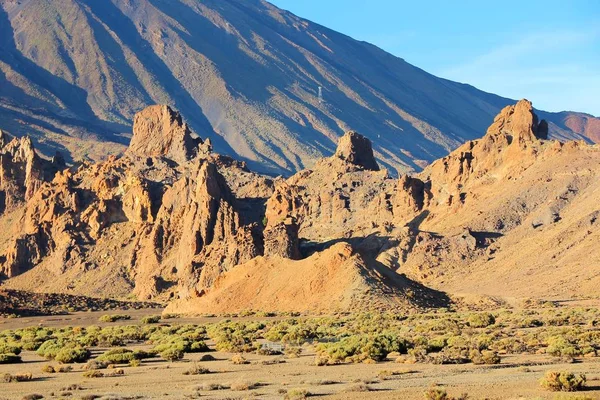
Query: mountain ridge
[(244, 74)]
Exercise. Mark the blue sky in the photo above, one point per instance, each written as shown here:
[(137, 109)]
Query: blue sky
[(546, 51)]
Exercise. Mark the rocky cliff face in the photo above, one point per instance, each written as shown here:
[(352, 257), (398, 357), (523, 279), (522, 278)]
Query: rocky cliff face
[(172, 220)]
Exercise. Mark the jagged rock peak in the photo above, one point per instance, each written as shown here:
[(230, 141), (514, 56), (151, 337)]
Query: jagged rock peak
[(520, 122), (356, 149), (159, 131)]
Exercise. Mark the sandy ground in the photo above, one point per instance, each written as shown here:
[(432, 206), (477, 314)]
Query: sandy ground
[(517, 377)]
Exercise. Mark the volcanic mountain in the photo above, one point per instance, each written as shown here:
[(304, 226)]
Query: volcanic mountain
[(243, 73), (173, 220)]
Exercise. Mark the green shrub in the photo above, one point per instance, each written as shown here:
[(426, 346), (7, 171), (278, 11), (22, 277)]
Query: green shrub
[(49, 349), (484, 357), (10, 349), (481, 320), (151, 319), (69, 355), (114, 317), (563, 381), (117, 356), (559, 346), (360, 348), (171, 354)]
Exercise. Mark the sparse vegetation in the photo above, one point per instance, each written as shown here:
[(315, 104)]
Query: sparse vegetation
[(438, 338)]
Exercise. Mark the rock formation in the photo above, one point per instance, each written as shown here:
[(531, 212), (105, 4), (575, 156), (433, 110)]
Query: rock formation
[(171, 220), (356, 149), (159, 131)]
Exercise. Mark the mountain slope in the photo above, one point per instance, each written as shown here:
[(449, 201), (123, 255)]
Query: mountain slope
[(242, 72)]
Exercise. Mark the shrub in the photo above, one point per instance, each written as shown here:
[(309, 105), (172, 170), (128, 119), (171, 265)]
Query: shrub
[(207, 386), (240, 386), (21, 377), (116, 372), (481, 320), (293, 352), (360, 348), (151, 319), (297, 394), (9, 349), (115, 317), (9, 359), (238, 359), (93, 373), (563, 381), (93, 365), (435, 393), (197, 370), (171, 354), (69, 355), (135, 363), (49, 369), (559, 346), (358, 387), (207, 357), (49, 349), (117, 356), (484, 357)]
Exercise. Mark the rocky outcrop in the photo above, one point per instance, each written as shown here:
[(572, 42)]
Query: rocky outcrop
[(412, 194), (197, 234), (207, 232), (518, 123), (511, 144), (281, 240), (21, 171), (356, 149), (159, 131)]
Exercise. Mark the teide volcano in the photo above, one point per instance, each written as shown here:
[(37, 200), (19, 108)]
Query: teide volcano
[(241, 72)]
